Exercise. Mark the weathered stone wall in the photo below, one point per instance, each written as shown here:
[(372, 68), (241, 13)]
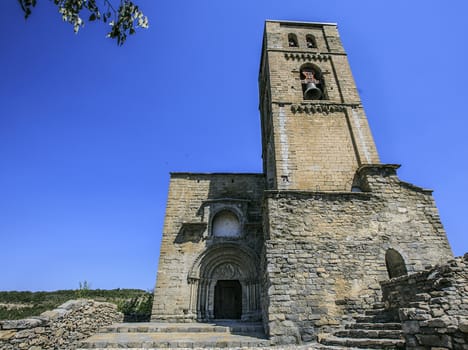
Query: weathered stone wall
[(432, 306), (325, 252), (61, 328), (193, 201), (314, 151), (312, 145)]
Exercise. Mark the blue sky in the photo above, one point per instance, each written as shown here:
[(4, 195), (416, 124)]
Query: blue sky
[(90, 131)]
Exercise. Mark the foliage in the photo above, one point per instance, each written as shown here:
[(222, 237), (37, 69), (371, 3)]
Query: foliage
[(137, 309), (17, 305), (83, 290), (123, 21)]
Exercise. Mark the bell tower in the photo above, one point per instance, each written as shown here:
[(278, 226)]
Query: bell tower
[(315, 134)]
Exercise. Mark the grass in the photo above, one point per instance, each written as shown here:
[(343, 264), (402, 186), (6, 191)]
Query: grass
[(14, 305)]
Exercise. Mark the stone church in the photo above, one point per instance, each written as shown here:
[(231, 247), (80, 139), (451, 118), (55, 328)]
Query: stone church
[(307, 242)]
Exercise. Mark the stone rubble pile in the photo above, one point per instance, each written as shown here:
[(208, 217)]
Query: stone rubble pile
[(432, 306), (61, 328)]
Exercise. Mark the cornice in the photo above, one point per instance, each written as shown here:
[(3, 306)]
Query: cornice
[(300, 56), (324, 108)]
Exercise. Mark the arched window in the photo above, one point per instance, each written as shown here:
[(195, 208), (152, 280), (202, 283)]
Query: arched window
[(310, 41), (312, 82), (226, 224), (292, 40), (395, 264)]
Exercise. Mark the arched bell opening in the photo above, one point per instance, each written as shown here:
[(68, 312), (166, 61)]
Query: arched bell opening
[(292, 40), (313, 87), (225, 284), (396, 266), (310, 41)]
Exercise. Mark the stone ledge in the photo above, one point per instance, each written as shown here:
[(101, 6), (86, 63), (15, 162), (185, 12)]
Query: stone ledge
[(307, 56), (389, 170), (318, 195), (182, 173), (21, 324)]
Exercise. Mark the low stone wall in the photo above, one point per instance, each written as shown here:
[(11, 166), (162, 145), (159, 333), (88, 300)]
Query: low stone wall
[(432, 306), (61, 328)]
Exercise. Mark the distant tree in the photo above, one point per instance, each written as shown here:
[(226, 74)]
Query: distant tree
[(123, 19), (83, 290)]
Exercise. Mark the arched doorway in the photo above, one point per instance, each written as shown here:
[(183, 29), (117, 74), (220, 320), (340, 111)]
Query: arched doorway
[(395, 264), (225, 284), (228, 299)]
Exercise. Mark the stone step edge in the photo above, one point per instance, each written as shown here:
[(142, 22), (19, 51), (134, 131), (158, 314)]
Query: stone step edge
[(277, 347), (375, 326), (304, 346), (297, 347), (176, 345), (370, 312), (369, 334), (382, 343), (148, 329)]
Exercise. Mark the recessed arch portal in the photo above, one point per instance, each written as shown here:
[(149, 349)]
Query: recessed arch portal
[(233, 266)]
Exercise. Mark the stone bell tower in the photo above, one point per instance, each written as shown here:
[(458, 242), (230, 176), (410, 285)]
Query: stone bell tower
[(315, 133)]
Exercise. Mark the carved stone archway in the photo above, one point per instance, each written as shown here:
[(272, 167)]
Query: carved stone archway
[(224, 262)]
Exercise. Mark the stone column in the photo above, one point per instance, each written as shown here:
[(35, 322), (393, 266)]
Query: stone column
[(193, 282), (201, 297)]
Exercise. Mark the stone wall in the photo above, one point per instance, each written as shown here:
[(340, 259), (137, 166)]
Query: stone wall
[(432, 306), (184, 287), (61, 328), (325, 253)]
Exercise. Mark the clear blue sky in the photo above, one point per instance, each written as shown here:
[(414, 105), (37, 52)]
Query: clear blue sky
[(90, 131)]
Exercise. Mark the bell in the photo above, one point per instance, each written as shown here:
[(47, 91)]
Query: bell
[(312, 92)]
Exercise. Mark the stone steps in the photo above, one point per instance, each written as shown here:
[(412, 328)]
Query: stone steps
[(376, 329), (369, 333), (153, 327), (376, 326), (178, 335), (374, 311), (368, 343), (378, 318)]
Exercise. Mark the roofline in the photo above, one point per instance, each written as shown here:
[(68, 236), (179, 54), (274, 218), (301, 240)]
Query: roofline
[(175, 173), (303, 22)]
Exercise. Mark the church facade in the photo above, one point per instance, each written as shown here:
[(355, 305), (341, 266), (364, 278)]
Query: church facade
[(303, 246)]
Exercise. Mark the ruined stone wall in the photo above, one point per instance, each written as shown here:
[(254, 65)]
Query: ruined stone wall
[(325, 252), (61, 328), (432, 306), (192, 202)]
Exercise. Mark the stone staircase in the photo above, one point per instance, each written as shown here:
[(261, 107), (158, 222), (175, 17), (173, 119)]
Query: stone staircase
[(152, 335), (376, 329)]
